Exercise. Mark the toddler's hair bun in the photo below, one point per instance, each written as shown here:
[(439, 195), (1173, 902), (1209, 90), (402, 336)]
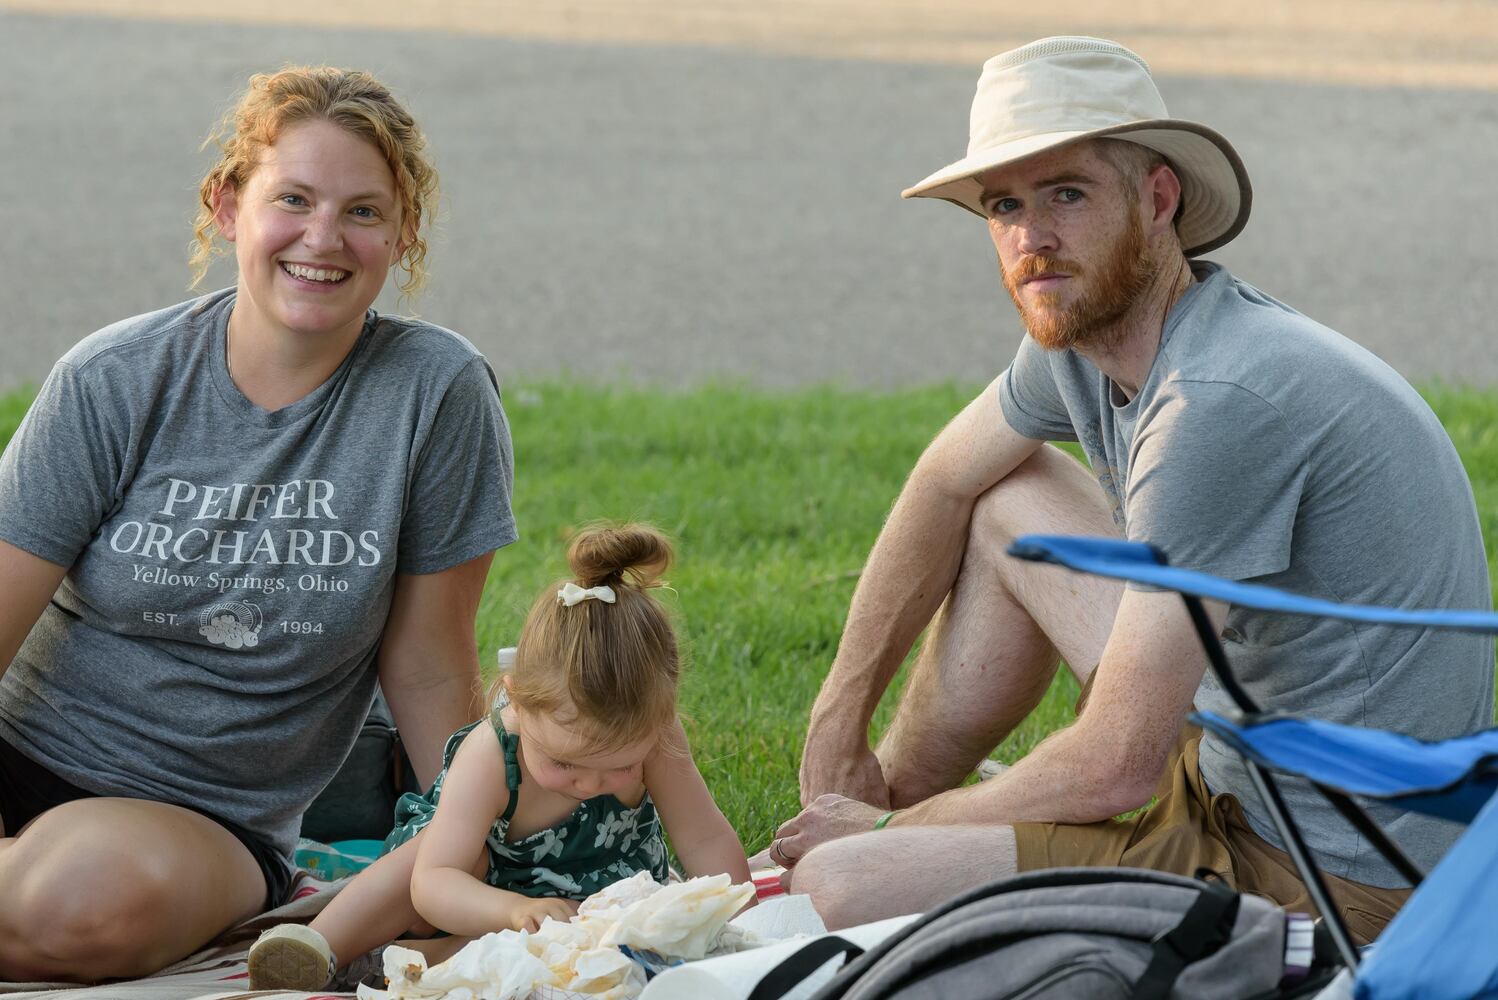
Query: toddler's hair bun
[(605, 554)]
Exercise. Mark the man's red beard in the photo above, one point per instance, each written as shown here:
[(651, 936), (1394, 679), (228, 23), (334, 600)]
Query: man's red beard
[(1092, 320)]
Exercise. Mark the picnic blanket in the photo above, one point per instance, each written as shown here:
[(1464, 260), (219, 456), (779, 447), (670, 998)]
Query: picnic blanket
[(219, 971)]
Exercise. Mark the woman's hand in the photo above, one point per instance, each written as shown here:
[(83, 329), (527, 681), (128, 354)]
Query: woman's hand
[(527, 916)]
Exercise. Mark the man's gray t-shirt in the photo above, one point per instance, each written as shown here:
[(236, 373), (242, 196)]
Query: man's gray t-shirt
[(1266, 447), (231, 568)]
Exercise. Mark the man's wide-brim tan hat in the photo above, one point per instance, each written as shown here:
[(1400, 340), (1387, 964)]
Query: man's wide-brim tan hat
[(1062, 90)]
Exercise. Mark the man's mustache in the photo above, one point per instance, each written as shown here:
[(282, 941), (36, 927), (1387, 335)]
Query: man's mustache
[(1034, 267)]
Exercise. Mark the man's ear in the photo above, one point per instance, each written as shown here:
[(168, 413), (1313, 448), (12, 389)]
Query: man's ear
[(1164, 190), (225, 201)]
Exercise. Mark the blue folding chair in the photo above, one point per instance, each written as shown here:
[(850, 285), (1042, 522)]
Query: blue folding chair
[(1444, 942)]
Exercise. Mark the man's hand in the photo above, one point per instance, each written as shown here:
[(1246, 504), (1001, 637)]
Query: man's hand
[(828, 818), (527, 916), (856, 775)]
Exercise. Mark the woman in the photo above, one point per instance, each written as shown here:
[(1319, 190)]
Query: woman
[(218, 523)]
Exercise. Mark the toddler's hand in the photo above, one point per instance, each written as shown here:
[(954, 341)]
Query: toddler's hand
[(527, 916)]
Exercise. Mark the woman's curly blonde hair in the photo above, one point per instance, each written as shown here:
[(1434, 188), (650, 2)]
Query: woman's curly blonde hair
[(354, 101)]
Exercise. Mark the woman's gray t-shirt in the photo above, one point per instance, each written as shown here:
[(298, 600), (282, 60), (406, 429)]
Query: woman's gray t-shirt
[(213, 642), (1264, 446)]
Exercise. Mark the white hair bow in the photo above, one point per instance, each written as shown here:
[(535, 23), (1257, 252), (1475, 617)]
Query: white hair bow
[(571, 594)]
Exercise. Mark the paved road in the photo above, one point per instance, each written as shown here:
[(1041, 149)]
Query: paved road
[(674, 214)]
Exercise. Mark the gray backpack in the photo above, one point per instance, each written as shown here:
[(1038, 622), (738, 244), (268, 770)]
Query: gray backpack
[(1080, 934)]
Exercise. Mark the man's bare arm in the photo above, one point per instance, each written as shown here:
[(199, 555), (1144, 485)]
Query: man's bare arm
[(1110, 760), (27, 583), (908, 574)]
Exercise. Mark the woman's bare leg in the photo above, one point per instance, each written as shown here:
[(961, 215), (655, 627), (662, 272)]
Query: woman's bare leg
[(103, 888)]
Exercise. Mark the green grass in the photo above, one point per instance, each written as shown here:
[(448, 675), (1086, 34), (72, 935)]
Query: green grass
[(774, 500), (13, 407)]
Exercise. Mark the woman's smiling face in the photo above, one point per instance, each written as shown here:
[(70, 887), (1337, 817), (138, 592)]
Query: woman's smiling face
[(315, 229)]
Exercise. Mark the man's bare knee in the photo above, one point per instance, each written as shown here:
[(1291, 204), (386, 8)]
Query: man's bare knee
[(917, 868), (1048, 493), (835, 876)]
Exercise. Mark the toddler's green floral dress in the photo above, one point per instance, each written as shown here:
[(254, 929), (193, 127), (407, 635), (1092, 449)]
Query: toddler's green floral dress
[(602, 842)]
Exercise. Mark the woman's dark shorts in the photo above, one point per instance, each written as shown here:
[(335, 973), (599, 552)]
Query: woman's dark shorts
[(27, 789)]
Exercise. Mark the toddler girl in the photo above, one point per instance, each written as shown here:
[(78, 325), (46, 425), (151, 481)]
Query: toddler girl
[(562, 790)]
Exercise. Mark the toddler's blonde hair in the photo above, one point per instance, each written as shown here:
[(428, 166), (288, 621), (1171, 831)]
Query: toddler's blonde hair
[(612, 669)]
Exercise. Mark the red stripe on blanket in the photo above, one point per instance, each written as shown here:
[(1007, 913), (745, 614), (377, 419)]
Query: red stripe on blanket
[(767, 883), (304, 892)]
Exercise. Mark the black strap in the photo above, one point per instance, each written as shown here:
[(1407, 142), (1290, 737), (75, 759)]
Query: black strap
[(509, 746), (792, 970), (1350, 811), (1206, 927)]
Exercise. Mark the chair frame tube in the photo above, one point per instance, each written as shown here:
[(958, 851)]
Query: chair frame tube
[(1279, 813)]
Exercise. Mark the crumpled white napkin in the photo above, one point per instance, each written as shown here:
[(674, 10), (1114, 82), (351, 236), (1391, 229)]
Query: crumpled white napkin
[(495, 967), (682, 920)]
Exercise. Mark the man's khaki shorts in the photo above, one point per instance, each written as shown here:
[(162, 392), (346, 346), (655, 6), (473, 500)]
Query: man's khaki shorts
[(1189, 828)]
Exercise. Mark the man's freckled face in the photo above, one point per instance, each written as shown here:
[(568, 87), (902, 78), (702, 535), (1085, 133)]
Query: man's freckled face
[(1070, 244)]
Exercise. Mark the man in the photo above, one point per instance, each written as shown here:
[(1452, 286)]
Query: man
[(1240, 437)]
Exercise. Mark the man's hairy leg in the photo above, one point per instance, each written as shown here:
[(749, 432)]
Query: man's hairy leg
[(992, 650), (917, 866)]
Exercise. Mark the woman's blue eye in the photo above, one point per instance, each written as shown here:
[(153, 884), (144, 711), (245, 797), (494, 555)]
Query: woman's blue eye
[(1069, 195), (365, 212), (294, 199)]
